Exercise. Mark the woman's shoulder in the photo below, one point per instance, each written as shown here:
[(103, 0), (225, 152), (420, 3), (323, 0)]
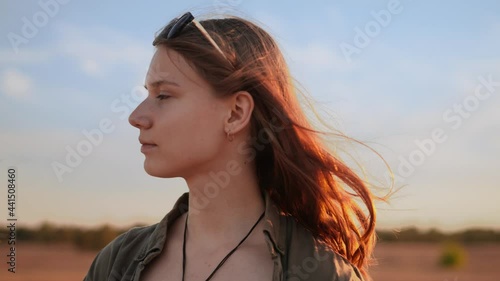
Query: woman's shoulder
[(129, 242), (310, 258), (117, 255)]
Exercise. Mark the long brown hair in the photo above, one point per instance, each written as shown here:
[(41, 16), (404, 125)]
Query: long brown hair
[(304, 179)]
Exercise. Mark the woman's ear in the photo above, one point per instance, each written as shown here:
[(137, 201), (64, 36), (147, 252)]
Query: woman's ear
[(240, 108)]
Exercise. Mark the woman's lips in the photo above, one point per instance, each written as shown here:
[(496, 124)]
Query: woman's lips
[(147, 147)]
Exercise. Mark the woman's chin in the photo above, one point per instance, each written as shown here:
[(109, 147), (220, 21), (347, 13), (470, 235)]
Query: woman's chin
[(153, 170)]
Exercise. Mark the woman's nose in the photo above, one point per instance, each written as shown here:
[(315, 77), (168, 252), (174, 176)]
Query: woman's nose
[(138, 119)]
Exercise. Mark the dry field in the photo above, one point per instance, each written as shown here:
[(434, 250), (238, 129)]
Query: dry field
[(397, 262), (420, 262)]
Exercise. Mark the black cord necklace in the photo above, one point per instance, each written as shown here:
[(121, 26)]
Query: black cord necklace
[(223, 260)]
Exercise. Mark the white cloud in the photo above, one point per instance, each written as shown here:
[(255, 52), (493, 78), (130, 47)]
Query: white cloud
[(25, 56), (16, 84), (91, 67), (320, 57), (100, 50)]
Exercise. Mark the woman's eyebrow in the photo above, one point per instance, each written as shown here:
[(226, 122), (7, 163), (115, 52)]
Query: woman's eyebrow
[(162, 82)]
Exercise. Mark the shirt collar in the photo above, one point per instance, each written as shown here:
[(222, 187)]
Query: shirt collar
[(273, 225)]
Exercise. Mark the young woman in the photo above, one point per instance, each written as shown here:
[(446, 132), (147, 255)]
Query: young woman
[(266, 200)]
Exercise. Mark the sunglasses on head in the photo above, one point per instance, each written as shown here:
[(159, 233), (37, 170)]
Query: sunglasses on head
[(179, 25)]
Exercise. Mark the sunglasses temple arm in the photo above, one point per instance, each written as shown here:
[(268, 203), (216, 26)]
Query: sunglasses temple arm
[(205, 33)]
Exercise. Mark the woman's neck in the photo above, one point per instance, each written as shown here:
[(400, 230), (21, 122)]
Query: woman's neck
[(223, 215)]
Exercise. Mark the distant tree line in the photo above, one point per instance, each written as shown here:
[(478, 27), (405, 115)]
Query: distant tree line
[(83, 238), (97, 238), (468, 236)]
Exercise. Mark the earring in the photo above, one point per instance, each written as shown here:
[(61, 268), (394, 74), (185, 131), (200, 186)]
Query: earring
[(229, 136)]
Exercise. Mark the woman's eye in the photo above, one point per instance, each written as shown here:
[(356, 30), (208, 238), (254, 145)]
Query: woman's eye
[(162, 97)]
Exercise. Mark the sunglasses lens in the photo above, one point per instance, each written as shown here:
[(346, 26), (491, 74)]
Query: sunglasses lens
[(179, 25)]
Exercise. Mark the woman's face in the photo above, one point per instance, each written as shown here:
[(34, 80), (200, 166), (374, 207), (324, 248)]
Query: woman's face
[(180, 118)]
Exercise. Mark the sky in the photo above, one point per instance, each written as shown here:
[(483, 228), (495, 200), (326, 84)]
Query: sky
[(418, 81)]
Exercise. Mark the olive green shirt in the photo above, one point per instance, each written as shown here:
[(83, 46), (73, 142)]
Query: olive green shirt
[(293, 249)]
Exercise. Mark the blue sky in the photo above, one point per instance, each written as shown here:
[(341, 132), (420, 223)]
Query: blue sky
[(403, 85)]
